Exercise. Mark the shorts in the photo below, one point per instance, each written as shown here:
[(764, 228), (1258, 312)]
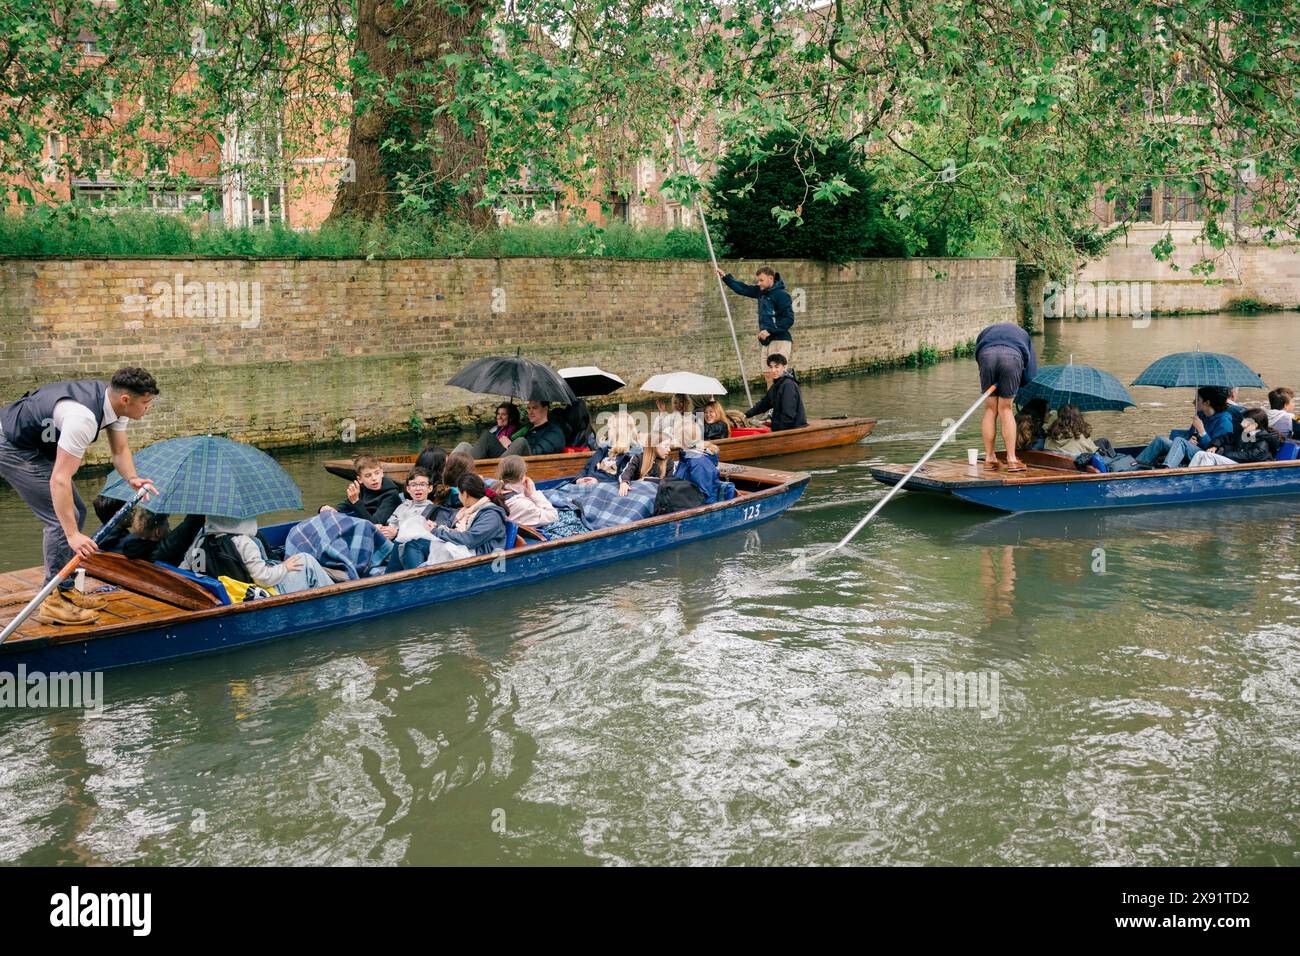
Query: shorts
[(1002, 366)]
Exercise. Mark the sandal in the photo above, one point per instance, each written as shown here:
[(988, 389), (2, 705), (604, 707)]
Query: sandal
[(992, 464), (1014, 466)]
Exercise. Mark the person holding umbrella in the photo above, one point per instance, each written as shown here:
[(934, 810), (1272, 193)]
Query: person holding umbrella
[(43, 438), (519, 377)]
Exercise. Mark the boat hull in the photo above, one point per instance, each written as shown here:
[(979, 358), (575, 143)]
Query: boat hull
[(819, 433), (229, 627), (1077, 491)]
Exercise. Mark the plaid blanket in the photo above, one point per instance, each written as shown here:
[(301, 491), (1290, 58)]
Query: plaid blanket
[(600, 506), (340, 541)]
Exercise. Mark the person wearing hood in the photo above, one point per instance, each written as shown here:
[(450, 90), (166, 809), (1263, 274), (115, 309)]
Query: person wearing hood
[(480, 525), (245, 558), (775, 310), (373, 496), (783, 399)]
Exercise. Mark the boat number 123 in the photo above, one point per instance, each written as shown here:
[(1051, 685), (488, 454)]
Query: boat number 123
[(751, 511)]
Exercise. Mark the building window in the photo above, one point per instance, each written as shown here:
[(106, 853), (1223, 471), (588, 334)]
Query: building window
[(1182, 203), (617, 208), (1135, 208)]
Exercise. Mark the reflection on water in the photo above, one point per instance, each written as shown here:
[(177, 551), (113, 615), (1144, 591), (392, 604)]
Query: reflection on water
[(726, 704)]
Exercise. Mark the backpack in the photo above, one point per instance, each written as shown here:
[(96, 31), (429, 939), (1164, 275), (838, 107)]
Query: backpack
[(677, 494), (221, 558)]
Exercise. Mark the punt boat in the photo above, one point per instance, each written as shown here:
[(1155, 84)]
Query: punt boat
[(755, 443), (1052, 483), (159, 615)]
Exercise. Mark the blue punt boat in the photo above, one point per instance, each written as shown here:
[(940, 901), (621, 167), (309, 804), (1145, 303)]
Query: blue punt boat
[(158, 615), (1052, 483)]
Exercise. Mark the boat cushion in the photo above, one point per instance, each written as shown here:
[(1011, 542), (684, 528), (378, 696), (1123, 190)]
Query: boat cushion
[(512, 532), (743, 432), (571, 448), (211, 585), (1288, 451)]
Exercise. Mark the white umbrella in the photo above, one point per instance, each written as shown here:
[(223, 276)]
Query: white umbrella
[(685, 383)]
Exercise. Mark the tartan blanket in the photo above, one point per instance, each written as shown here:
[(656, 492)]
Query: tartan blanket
[(340, 541), (599, 505)]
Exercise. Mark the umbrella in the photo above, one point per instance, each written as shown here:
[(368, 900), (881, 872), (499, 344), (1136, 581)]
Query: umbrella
[(1086, 388), (207, 475), (515, 377), (589, 380), (1194, 369), (684, 383)]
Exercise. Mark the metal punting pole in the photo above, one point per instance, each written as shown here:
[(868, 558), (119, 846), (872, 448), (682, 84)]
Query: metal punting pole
[(708, 241)]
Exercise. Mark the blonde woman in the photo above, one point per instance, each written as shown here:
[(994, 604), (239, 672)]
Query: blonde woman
[(618, 439)]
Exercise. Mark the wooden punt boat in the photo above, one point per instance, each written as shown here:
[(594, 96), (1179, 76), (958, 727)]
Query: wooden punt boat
[(818, 433), (158, 615), (1052, 483)]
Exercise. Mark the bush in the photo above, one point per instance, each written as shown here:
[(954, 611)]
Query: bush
[(850, 224), (46, 231)]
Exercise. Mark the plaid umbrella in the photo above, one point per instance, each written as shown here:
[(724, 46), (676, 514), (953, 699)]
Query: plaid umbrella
[(207, 475), (1088, 389), (1194, 369)]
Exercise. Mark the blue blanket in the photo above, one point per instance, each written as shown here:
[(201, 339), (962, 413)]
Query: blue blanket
[(600, 505), (340, 541)]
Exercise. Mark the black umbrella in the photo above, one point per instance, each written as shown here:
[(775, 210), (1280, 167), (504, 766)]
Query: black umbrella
[(514, 377)]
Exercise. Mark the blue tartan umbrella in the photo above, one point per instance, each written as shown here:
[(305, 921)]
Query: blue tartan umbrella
[(207, 475), (1088, 389), (1194, 369)]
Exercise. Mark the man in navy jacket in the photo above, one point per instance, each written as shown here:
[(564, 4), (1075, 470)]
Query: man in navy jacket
[(775, 310)]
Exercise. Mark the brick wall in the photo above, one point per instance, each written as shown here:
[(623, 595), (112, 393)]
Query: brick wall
[(301, 347)]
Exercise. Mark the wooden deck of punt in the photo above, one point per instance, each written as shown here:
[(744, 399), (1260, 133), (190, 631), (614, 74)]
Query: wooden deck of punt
[(1052, 483), (124, 607), (151, 599), (818, 433)]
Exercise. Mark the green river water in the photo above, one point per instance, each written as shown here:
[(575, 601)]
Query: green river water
[(712, 705)]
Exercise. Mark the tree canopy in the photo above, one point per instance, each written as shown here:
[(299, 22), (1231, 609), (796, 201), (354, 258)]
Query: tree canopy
[(989, 126)]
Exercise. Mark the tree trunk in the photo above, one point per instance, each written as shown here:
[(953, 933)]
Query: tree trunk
[(402, 46)]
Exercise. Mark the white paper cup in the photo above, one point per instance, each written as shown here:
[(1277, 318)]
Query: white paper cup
[(972, 456)]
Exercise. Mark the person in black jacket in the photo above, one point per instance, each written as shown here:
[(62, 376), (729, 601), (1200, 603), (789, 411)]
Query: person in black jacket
[(373, 496), (783, 397)]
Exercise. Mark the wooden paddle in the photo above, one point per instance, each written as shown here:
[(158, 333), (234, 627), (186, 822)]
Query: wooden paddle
[(948, 433), (71, 566)]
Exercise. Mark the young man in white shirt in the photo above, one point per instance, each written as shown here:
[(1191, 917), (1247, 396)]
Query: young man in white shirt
[(43, 439)]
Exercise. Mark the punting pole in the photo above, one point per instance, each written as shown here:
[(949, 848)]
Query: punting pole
[(71, 566), (948, 433), (708, 241)]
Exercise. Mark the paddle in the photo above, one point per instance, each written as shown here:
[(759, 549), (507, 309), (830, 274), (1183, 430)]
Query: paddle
[(948, 433), (708, 241), (71, 566)]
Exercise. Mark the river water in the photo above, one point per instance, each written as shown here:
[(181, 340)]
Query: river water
[(1140, 678)]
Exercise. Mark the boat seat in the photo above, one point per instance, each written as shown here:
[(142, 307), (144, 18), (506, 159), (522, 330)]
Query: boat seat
[(527, 535), (154, 580), (1289, 451)]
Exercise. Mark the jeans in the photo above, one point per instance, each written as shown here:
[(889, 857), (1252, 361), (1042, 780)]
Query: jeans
[(311, 575), (1174, 450), (28, 471), (408, 555)]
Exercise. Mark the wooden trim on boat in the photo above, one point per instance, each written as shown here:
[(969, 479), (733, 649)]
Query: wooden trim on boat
[(777, 482), (818, 433)]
